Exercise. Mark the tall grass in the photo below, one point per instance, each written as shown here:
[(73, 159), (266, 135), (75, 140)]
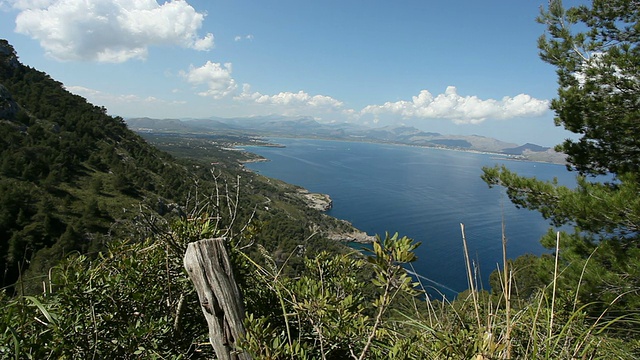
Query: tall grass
[(480, 326)]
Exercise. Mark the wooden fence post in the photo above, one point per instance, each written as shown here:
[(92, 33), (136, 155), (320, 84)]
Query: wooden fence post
[(209, 268)]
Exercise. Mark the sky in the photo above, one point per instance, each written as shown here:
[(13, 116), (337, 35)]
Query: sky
[(456, 67)]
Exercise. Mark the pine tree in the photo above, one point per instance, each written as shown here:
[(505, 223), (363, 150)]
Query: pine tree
[(595, 51)]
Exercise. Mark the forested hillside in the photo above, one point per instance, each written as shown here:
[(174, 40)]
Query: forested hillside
[(69, 171), (72, 178)]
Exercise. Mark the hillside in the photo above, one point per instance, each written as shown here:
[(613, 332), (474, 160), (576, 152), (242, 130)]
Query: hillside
[(73, 178), (67, 170)]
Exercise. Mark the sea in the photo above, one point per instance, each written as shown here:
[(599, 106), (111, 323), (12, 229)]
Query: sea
[(422, 193)]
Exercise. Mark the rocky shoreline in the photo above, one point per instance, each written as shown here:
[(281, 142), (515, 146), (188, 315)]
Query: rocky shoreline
[(317, 201), (323, 202), (355, 236)]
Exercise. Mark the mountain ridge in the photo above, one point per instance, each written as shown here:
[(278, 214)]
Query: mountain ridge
[(307, 127)]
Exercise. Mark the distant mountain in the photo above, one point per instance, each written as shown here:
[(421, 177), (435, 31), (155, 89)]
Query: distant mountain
[(266, 126), (168, 125), (463, 144), (526, 147), (308, 127), (211, 124), (397, 133)]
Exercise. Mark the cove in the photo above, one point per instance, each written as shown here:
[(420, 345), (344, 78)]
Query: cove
[(422, 193)]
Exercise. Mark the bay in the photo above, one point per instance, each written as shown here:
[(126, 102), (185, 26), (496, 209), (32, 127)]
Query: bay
[(422, 193)]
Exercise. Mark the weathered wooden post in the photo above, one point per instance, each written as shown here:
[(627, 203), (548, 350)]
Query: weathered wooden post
[(209, 268)]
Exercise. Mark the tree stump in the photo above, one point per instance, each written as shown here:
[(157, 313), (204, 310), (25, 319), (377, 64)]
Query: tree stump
[(209, 268)]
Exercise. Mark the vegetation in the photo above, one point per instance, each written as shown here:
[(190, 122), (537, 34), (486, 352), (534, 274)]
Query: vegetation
[(106, 282), (208, 148), (68, 171), (135, 301)]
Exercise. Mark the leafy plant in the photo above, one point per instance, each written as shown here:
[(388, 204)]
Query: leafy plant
[(327, 312)]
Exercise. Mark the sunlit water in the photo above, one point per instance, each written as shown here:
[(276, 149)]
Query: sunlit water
[(422, 193)]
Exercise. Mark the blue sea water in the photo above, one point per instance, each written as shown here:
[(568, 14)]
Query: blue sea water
[(422, 193)]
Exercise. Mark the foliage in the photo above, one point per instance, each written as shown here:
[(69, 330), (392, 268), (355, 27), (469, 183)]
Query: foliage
[(596, 55), (136, 301), (327, 313), (66, 165), (133, 301)]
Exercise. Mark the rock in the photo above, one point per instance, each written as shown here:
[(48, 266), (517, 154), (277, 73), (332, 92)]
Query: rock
[(8, 107), (8, 54), (321, 202), (356, 236)]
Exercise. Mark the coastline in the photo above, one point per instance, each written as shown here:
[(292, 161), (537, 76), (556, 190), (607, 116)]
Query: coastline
[(323, 202), (408, 195), (554, 159)]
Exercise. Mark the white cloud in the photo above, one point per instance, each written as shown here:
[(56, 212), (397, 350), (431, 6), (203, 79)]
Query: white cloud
[(30, 4), (461, 109), (245, 37), (204, 44), (109, 30), (100, 97), (299, 98), (290, 103), (215, 76), (599, 67)]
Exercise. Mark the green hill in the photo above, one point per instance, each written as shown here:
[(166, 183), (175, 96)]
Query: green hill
[(72, 178), (68, 170)]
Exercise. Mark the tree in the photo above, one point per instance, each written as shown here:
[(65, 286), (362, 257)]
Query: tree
[(599, 86), (598, 67)]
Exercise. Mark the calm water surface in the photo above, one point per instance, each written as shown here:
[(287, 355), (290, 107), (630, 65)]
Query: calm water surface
[(422, 193)]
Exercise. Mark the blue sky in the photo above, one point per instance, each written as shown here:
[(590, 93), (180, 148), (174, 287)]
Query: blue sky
[(456, 67)]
